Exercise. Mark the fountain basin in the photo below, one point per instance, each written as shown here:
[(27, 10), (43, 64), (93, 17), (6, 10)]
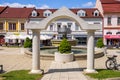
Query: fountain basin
[(98, 54)]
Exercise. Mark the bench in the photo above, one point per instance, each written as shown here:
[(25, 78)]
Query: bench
[(1, 68)]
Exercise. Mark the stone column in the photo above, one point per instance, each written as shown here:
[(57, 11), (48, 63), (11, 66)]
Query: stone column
[(90, 52), (36, 52)]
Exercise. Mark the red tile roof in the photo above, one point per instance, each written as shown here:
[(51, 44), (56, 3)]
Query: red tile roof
[(10, 12), (2, 8), (89, 12), (16, 13), (41, 11), (111, 8), (109, 1)]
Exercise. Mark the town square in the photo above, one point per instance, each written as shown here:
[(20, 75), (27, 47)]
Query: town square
[(60, 43)]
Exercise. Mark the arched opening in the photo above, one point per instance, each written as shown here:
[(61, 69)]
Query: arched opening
[(62, 13)]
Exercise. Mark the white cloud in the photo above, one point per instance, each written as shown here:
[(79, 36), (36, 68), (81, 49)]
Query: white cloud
[(44, 6), (23, 5), (88, 4), (17, 5)]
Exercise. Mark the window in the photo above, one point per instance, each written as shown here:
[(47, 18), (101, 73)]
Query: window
[(118, 21), (47, 13), (1, 26), (109, 21), (109, 33), (58, 26), (96, 13), (69, 25), (34, 13), (12, 26), (22, 26), (51, 27), (81, 13), (118, 33)]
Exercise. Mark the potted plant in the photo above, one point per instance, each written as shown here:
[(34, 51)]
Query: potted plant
[(64, 53)]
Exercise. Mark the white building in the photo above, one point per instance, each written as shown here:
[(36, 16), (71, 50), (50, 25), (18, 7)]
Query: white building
[(90, 16)]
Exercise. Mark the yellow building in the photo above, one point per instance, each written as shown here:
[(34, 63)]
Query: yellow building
[(12, 22)]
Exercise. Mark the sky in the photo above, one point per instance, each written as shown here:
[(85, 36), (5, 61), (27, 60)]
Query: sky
[(43, 4)]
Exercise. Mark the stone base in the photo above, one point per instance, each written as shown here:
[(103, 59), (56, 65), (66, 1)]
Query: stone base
[(90, 71), (63, 58), (36, 72)]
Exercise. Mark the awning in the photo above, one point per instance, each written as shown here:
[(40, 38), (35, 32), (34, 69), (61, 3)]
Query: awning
[(45, 37), (18, 37), (112, 36)]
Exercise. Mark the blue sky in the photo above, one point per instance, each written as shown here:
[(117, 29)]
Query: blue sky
[(49, 3)]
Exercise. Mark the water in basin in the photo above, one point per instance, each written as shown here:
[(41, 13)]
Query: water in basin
[(52, 51)]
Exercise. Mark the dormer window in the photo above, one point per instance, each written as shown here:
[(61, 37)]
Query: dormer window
[(81, 13), (34, 13), (47, 13), (96, 13)]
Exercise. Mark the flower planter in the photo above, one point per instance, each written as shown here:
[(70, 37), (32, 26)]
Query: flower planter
[(63, 57)]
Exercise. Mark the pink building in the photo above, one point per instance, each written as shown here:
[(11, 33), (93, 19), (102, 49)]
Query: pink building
[(110, 9)]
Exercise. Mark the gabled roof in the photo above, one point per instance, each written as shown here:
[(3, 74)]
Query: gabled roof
[(16, 12), (89, 12), (110, 1), (110, 6)]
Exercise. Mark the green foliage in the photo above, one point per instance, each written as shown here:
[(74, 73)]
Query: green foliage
[(103, 74), (65, 46), (20, 75), (100, 43), (28, 43)]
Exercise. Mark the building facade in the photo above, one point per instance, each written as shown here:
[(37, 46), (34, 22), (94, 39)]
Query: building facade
[(13, 21), (90, 16), (110, 9)]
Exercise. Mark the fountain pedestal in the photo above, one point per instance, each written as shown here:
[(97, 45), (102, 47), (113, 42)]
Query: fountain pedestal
[(63, 58)]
